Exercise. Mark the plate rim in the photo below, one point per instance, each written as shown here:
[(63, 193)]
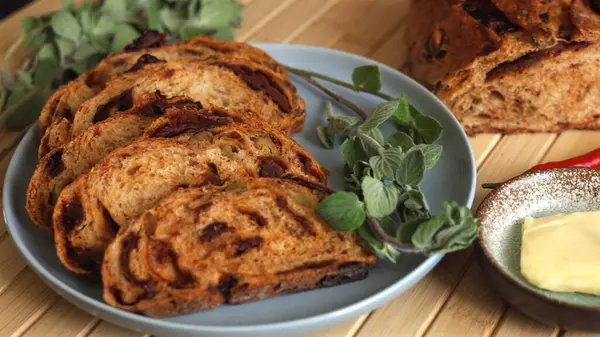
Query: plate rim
[(338, 315)]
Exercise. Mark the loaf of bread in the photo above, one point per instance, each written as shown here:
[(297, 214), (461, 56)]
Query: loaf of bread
[(229, 83), (240, 242), (63, 165), (177, 151), (509, 65), (150, 47)]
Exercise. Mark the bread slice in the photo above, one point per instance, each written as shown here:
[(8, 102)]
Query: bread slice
[(63, 165), (240, 242), (509, 65), (176, 153), (151, 47), (228, 83)]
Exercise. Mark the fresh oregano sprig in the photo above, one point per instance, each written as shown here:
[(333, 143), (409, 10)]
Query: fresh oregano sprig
[(62, 44), (383, 201)]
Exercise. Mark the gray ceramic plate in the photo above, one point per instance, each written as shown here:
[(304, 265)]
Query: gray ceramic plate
[(536, 194), (453, 178)]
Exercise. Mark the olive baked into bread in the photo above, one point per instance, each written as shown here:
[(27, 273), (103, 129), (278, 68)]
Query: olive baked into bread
[(187, 149), (509, 65), (240, 242)]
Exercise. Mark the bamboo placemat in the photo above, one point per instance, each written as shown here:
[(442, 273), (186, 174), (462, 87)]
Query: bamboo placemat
[(453, 300)]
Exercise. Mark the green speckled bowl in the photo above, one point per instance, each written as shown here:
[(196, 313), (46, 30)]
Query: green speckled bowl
[(536, 194)]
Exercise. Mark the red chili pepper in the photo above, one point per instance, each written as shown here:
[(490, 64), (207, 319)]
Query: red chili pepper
[(590, 159)]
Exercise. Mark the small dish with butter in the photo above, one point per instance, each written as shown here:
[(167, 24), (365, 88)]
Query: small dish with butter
[(539, 245)]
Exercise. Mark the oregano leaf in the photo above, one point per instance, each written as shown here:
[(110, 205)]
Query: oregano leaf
[(85, 17), (352, 151), (326, 138), (369, 145), (83, 52), (79, 66), (386, 163), (411, 169), (104, 25), (64, 24), (217, 13), (101, 42), (381, 200), (193, 8), (24, 78), (29, 23), (187, 32), (46, 66), (116, 8), (388, 225), (380, 114), (367, 78), (343, 211), (424, 235), (373, 243), (377, 135), (154, 16), (47, 52), (402, 140), (414, 200), (37, 37), (65, 48), (407, 229), (124, 34), (429, 128), (224, 33), (450, 230), (432, 153), (340, 123), (402, 114), (171, 19), (414, 112)]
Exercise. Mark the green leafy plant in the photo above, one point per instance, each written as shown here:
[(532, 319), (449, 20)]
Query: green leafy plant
[(383, 201), (61, 45)]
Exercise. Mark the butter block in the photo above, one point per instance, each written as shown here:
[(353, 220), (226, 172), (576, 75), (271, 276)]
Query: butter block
[(562, 252)]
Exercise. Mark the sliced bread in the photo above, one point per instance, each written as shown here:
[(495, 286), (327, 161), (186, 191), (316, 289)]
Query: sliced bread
[(175, 153), (240, 242)]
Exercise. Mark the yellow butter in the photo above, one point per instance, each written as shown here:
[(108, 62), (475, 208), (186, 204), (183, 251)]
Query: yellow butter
[(562, 252)]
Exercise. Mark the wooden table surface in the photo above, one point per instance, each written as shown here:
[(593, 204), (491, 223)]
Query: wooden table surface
[(453, 300)]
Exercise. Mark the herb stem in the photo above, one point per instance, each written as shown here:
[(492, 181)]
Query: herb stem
[(392, 241), (338, 98), (308, 74)]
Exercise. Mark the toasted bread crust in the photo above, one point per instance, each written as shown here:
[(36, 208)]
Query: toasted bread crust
[(509, 65), (177, 151), (226, 82), (223, 254), (69, 97)]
